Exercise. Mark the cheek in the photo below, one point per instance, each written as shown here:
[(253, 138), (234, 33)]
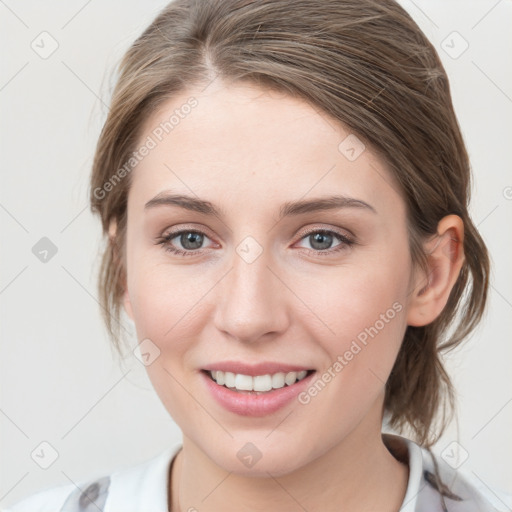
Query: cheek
[(166, 305), (167, 302), (360, 317), (367, 315)]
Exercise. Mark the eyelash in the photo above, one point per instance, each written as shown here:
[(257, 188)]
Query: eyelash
[(165, 241), (346, 242)]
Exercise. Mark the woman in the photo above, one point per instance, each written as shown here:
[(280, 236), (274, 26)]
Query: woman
[(285, 190)]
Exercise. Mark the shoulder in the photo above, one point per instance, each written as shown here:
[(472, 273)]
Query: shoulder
[(47, 500), (138, 487), (434, 485), (460, 491)]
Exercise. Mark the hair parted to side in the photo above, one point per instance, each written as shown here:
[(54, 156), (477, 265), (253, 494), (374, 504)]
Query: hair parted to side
[(365, 63)]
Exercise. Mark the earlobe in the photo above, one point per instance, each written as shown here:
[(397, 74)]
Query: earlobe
[(445, 257), (112, 230)]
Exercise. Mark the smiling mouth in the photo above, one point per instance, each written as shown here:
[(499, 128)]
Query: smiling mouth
[(258, 384)]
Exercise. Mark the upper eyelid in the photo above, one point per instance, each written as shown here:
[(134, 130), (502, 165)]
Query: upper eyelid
[(337, 231), (175, 232), (205, 231)]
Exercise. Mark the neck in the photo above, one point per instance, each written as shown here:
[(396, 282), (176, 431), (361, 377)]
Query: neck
[(359, 473)]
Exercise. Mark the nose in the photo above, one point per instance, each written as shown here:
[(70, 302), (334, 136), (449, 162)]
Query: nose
[(252, 301)]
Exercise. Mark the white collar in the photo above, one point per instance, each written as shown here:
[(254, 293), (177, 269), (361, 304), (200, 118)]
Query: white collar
[(406, 450), (144, 486)]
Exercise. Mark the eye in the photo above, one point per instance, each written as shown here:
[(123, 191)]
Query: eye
[(190, 239), (321, 241)]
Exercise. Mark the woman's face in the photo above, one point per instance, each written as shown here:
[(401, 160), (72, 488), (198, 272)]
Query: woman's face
[(273, 275)]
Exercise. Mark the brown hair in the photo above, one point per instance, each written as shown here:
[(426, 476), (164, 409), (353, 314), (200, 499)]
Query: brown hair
[(365, 63)]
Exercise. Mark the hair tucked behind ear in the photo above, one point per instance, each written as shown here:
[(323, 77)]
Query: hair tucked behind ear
[(363, 62)]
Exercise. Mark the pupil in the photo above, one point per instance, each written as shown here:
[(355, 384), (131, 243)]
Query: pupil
[(191, 240), (324, 239)]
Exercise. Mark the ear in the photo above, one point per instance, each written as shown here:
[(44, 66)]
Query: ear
[(112, 230), (445, 257)]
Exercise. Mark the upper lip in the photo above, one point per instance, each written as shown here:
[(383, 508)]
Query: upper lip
[(262, 368)]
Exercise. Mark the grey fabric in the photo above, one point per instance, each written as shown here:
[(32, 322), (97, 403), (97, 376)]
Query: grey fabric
[(443, 489), (91, 499)]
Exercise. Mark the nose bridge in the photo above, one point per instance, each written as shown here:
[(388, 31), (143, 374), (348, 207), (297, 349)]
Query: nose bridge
[(251, 300)]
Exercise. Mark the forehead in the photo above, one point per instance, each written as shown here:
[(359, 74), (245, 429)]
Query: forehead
[(243, 144)]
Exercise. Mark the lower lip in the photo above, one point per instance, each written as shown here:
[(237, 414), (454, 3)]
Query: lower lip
[(246, 404)]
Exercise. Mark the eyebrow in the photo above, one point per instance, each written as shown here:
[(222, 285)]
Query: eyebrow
[(290, 208), (183, 201)]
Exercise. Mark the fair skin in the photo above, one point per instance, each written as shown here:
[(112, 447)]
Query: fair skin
[(248, 152)]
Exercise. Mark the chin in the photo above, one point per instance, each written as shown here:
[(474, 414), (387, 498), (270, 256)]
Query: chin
[(255, 456)]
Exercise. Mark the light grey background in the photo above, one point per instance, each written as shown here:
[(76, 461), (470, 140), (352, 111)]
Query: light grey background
[(59, 381)]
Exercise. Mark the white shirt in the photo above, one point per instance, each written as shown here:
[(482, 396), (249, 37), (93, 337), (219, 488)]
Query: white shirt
[(143, 487)]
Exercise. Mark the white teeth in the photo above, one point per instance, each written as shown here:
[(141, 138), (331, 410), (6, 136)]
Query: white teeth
[(278, 380), (262, 383), (243, 382), (290, 378), (259, 383), (229, 379)]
